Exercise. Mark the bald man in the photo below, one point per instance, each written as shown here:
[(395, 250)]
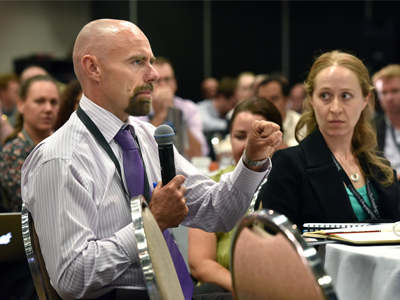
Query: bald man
[(75, 193)]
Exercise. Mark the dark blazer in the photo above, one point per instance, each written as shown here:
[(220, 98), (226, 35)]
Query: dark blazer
[(305, 185)]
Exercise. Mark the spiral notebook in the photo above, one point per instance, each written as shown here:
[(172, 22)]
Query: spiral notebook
[(360, 235), (311, 227)]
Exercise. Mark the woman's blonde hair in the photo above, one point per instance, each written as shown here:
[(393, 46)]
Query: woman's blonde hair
[(364, 143)]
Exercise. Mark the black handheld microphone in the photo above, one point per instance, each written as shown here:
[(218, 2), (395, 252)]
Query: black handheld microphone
[(164, 135)]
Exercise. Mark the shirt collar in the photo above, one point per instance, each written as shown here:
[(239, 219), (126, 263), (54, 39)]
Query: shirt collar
[(106, 122)]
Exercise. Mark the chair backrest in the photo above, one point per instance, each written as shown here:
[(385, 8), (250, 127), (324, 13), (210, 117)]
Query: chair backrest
[(36, 262), (270, 260), (158, 268)]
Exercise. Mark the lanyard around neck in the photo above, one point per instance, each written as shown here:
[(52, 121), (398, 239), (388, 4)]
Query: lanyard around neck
[(104, 144), (372, 214)]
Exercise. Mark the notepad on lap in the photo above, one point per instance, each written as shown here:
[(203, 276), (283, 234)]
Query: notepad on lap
[(379, 234)]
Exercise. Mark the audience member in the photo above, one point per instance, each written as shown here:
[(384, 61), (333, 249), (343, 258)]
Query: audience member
[(209, 253), (257, 80), (296, 97), (214, 110), (209, 88), (38, 108), (32, 71), (69, 102), (244, 88), (276, 89), (387, 82), (334, 174), (164, 97), (9, 90), (89, 229)]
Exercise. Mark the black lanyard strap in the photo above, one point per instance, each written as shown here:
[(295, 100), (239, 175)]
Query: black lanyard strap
[(103, 143), (372, 214)]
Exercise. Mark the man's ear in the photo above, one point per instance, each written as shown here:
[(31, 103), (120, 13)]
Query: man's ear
[(90, 67)]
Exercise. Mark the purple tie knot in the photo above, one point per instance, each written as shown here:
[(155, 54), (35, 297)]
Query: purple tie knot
[(125, 139)]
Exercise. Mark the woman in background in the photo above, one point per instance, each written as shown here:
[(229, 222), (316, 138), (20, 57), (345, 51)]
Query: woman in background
[(38, 107), (69, 102), (334, 174), (209, 253)]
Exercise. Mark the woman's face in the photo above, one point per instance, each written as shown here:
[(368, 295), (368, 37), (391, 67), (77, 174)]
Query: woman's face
[(337, 101), (40, 107), (241, 130)]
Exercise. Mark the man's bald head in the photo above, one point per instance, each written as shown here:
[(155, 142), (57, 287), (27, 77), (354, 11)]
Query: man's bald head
[(113, 61), (98, 38)]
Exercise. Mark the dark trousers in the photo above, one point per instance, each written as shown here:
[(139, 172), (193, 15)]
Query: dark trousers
[(16, 281)]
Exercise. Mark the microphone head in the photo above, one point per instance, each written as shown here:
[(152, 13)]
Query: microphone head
[(164, 135)]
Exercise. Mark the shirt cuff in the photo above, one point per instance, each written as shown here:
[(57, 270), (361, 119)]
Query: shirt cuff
[(248, 180), (128, 242)]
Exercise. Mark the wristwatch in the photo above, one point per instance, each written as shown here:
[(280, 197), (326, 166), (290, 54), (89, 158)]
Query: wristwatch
[(251, 162)]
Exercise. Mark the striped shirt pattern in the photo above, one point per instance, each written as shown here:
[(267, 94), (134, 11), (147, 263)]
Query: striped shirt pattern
[(82, 214)]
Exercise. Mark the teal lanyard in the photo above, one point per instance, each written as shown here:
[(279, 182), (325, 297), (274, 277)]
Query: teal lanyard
[(103, 143)]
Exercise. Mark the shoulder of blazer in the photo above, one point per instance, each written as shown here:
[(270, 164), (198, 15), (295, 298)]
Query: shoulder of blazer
[(315, 150)]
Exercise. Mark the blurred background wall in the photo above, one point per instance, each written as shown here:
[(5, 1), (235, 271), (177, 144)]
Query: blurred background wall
[(208, 38)]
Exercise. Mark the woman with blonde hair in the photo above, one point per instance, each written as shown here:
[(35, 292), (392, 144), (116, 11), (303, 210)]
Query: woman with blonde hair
[(334, 174), (37, 111)]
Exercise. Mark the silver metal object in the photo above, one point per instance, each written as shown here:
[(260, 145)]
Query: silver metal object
[(137, 204), (27, 232), (279, 223), (255, 196)]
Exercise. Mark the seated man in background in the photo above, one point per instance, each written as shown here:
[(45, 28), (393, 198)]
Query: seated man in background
[(387, 82), (296, 98), (244, 89), (9, 92), (213, 111), (87, 235), (164, 97), (276, 89), (209, 88), (32, 71)]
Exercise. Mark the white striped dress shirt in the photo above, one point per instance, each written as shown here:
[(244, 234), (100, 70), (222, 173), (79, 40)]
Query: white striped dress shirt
[(82, 215)]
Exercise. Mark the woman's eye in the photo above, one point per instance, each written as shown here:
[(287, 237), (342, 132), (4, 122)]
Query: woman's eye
[(324, 96), (346, 96), (240, 137)]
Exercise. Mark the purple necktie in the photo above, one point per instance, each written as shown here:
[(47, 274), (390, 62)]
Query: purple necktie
[(134, 175)]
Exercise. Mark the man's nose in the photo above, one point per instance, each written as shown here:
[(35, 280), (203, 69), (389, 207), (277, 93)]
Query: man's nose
[(152, 76)]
